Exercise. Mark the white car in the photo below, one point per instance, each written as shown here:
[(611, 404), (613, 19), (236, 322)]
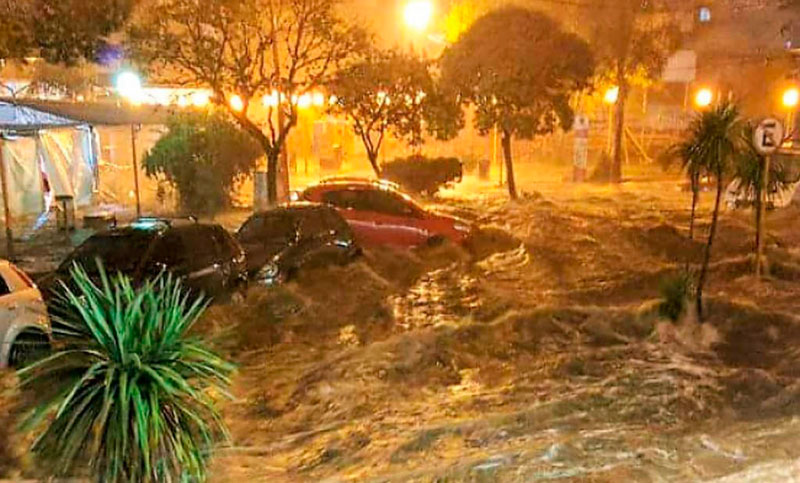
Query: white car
[(25, 332)]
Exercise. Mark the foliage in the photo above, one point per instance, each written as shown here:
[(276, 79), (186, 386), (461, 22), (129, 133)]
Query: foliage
[(675, 292), (59, 30), (419, 174), (49, 79), (387, 92), (632, 40), (712, 144), (202, 155), (129, 393), (519, 69), (248, 48)]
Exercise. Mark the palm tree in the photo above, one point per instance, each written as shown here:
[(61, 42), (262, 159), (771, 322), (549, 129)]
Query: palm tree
[(691, 158), (716, 137), (130, 394), (748, 171)]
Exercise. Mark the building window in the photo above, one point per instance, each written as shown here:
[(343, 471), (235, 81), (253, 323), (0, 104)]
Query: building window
[(704, 14)]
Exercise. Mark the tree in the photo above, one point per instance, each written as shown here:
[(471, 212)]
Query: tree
[(519, 69), (202, 155), (243, 51), (715, 136), (128, 393), (631, 41), (389, 92), (60, 31), (691, 159), (748, 174)]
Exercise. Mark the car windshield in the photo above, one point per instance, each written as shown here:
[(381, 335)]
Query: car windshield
[(119, 251)]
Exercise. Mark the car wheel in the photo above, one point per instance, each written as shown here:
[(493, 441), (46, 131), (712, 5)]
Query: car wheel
[(29, 347)]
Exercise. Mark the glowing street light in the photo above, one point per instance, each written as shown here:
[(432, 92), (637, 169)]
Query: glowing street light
[(200, 99), (611, 95), (129, 86), (236, 103), (703, 98), (418, 14), (791, 97)]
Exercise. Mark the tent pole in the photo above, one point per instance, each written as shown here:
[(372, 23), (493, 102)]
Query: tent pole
[(135, 171), (8, 220)]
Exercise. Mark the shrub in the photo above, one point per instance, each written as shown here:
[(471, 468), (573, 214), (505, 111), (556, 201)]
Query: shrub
[(419, 174), (675, 293), (128, 394), (202, 155)]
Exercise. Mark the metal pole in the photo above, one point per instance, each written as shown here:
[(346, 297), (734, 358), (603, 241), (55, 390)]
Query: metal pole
[(9, 221), (763, 209), (135, 171)]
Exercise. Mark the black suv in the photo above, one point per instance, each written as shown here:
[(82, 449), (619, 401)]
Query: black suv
[(205, 256), (281, 241)]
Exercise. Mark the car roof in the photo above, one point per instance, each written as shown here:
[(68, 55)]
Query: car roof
[(357, 182), (297, 207)]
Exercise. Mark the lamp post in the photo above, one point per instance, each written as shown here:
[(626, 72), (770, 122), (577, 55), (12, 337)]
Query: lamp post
[(129, 86)]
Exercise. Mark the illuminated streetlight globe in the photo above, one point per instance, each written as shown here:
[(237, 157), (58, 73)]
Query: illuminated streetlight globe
[(791, 97), (129, 85), (704, 98), (236, 103), (418, 14), (611, 95)]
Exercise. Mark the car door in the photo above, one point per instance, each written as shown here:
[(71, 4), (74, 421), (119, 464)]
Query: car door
[(264, 236), (353, 204), (396, 222), (230, 257)]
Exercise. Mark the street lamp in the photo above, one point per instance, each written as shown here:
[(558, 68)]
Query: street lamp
[(611, 95), (418, 14), (129, 86), (791, 97), (703, 98), (236, 102)]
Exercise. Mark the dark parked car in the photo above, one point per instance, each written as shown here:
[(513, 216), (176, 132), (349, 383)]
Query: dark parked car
[(280, 242), (205, 256)]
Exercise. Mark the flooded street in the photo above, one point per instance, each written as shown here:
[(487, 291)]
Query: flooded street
[(536, 354)]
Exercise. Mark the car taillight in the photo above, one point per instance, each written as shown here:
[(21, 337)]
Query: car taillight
[(25, 278)]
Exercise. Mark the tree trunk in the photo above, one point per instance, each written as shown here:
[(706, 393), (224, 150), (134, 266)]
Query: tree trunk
[(512, 185), (619, 132), (707, 257), (272, 176), (373, 160), (695, 196)]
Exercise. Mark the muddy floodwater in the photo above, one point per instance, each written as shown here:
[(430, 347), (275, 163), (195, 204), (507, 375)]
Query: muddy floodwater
[(535, 353)]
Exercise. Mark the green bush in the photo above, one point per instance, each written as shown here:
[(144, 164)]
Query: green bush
[(675, 293), (128, 395), (202, 155), (419, 174)]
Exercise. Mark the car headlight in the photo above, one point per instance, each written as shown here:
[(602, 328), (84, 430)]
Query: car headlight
[(269, 273), (462, 227)]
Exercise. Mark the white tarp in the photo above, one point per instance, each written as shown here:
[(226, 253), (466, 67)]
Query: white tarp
[(68, 165), (26, 196)]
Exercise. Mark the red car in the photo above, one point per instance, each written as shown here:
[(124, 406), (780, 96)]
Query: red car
[(379, 214)]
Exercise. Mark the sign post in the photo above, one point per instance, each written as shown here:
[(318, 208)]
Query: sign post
[(581, 148), (767, 138)]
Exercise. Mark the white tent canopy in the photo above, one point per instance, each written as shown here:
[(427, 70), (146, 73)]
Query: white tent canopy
[(45, 156)]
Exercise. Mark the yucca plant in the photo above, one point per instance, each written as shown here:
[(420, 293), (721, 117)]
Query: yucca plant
[(675, 292), (713, 141), (129, 395)]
